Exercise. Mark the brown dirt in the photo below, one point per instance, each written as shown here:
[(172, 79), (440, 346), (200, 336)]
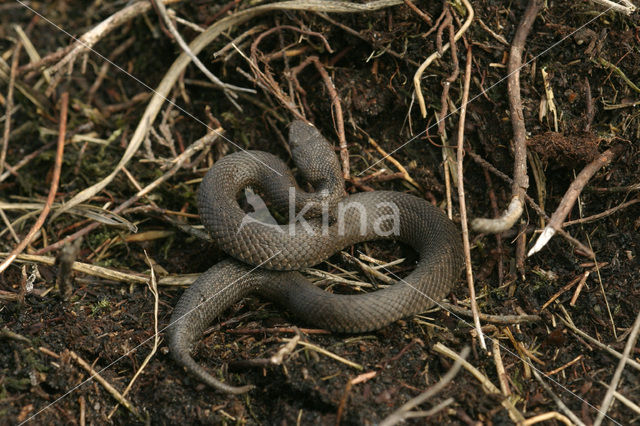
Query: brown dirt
[(110, 324)]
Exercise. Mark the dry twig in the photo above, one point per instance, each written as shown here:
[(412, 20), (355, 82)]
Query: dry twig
[(494, 319), (403, 412), (9, 105), (153, 287), (437, 55), (502, 375), (586, 251), (337, 107), (520, 178), (487, 386), (108, 386), (463, 208), (55, 179), (596, 342), (227, 88), (570, 197), (94, 374), (608, 398), (626, 7), (385, 156), (546, 417), (557, 400), (89, 39), (327, 353), (623, 399)]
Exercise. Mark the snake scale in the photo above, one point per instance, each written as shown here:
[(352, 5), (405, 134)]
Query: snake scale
[(266, 256)]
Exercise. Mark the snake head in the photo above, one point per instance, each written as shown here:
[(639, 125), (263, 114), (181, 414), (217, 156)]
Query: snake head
[(318, 164)]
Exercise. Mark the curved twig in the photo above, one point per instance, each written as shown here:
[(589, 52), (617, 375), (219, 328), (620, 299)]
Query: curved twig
[(437, 55), (228, 88), (520, 178), (55, 179)]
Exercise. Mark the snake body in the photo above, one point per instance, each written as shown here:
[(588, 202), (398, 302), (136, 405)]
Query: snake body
[(267, 256)]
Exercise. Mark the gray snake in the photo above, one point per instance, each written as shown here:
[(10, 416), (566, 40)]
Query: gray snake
[(328, 221)]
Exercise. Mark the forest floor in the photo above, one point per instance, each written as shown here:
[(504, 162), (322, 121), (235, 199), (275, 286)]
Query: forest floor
[(561, 313)]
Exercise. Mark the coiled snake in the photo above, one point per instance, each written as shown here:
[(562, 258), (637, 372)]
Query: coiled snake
[(267, 255)]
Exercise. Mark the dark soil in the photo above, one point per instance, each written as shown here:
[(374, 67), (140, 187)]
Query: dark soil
[(110, 324)]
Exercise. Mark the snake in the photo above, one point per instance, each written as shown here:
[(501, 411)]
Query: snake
[(265, 258)]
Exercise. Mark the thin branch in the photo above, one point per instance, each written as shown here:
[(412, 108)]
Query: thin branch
[(494, 319), (9, 105), (520, 178), (487, 386), (55, 179), (109, 388), (598, 343), (325, 352), (404, 411), (419, 12), (89, 39), (228, 88), (107, 273), (531, 202), (557, 399), (339, 120), (602, 214), (631, 342), (153, 287), (437, 55), (570, 197), (628, 8), (546, 417), (461, 197)]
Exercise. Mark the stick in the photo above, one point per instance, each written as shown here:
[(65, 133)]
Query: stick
[(9, 105), (557, 400), (437, 55), (495, 319), (109, 388), (463, 207), (52, 190), (601, 345), (153, 287), (487, 386), (109, 274), (403, 412), (570, 197), (624, 399), (502, 375), (25, 160), (86, 42), (627, 9), (228, 88), (485, 164), (520, 178), (602, 214), (339, 120), (631, 342), (327, 353), (546, 416)]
